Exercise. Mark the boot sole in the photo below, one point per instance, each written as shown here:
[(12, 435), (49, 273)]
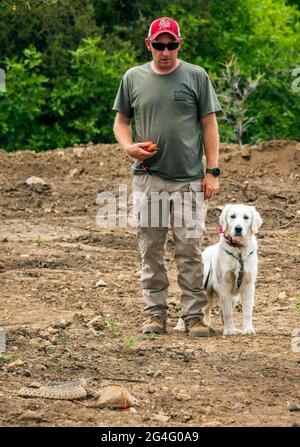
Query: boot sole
[(154, 331), (199, 334)]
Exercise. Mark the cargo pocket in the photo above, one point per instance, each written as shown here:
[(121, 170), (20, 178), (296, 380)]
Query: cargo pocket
[(140, 197), (196, 226)]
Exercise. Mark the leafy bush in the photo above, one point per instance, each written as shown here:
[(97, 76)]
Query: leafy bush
[(23, 102), (64, 59), (75, 110), (84, 101)]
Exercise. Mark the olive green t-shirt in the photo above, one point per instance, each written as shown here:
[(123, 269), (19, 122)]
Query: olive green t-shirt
[(167, 110)]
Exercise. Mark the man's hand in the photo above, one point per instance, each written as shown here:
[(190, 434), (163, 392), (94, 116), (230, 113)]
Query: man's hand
[(136, 151), (210, 186)]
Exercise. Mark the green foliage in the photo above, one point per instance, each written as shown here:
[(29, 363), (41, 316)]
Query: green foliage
[(76, 109), (53, 26), (265, 36), (38, 240), (129, 341), (22, 103), (86, 98), (113, 327), (298, 303), (5, 358), (64, 60), (234, 91)]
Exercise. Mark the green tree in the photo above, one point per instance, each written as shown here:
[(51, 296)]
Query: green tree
[(22, 104), (52, 27)]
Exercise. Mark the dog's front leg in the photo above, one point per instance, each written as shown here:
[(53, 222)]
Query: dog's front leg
[(227, 306), (247, 304)]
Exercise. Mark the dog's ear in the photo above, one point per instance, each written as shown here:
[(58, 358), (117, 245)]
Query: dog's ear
[(223, 220), (256, 220)]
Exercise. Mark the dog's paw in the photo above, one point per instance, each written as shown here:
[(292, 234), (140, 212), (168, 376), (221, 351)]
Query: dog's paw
[(248, 330), (180, 327), (231, 331)]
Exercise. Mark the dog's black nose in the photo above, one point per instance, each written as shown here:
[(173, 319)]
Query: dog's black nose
[(238, 229)]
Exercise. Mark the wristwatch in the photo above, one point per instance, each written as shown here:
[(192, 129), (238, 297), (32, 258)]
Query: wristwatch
[(214, 171)]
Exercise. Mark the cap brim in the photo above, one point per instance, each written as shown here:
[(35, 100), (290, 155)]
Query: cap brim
[(154, 36)]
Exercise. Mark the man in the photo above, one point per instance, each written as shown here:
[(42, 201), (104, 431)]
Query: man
[(170, 100)]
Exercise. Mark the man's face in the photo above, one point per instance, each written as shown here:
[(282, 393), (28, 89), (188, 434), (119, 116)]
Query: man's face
[(166, 59)]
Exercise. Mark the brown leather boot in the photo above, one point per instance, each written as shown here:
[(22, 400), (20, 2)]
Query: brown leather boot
[(156, 324), (196, 328)]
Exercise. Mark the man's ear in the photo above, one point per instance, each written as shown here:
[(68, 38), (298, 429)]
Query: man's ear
[(223, 217), (147, 43)]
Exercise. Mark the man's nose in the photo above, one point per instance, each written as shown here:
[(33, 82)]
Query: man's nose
[(165, 51)]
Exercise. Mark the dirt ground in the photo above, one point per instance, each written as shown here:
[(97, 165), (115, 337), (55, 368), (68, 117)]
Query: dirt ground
[(53, 253)]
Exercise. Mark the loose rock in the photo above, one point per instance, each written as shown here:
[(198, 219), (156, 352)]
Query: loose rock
[(35, 181), (101, 283), (115, 397)]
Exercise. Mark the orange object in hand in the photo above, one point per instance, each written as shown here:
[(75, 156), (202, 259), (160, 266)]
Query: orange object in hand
[(151, 147)]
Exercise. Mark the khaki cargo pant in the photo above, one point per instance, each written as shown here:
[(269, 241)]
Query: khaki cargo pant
[(157, 204)]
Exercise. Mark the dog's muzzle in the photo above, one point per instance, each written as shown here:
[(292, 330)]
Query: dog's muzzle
[(238, 230)]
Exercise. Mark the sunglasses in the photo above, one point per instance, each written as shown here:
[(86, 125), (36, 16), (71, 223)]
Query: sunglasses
[(159, 46)]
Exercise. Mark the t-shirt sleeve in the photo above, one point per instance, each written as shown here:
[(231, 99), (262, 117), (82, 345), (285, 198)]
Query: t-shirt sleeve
[(208, 101), (122, 102)]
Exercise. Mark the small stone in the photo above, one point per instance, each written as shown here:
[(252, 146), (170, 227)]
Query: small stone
[(41, 367), (15, 364), (38, 342), (282, 295), (227, 157), (101, 283), (35, 180), (79, 152), (63, 324), (294, 405), (97, 324), (115, 397), (161, 417), (30, 415), (50, 349), (295, 344), (26, 373), (245, 153), (35, 385), (183, 396), (186, 418), (76, 172)]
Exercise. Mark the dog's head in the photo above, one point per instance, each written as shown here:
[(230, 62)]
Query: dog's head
[(240, 221)]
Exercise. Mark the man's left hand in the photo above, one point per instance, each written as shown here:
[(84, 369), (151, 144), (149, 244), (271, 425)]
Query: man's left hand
[(210, 186)]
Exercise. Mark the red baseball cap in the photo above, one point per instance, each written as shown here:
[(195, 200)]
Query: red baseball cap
[(164, 25)]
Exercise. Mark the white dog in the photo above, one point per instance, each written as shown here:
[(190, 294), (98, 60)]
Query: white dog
[(230, 268)]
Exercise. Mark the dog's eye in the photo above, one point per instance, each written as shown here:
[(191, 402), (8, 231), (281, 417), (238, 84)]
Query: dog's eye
[(246, 217), (233, 216)]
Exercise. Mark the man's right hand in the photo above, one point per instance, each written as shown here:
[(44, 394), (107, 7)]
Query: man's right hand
[(136, 151)]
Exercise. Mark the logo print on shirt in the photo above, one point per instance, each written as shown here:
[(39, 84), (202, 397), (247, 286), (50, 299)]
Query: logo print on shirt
[(180, 95)]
